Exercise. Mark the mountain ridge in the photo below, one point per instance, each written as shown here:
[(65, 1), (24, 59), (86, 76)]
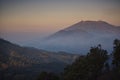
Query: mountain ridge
[(82, 34), (82, 25)]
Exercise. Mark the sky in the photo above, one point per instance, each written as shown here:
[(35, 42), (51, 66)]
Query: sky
[(23, 20)]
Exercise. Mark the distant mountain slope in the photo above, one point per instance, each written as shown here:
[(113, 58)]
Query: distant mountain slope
[(26, 61), (29, 55), (88, 28), (79, 37)]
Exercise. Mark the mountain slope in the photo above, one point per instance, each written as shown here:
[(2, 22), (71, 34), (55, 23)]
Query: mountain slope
[(27, 62), (82, 35), (89, 28), (31, 55)]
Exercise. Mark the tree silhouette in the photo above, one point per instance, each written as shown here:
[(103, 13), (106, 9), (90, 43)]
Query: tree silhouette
[(116, 59), (87, 67), (116, 53)]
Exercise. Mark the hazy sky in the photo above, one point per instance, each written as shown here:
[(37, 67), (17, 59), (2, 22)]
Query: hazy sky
[(21, 18)]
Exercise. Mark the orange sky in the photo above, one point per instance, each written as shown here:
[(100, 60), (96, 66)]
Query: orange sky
[(47, 16)]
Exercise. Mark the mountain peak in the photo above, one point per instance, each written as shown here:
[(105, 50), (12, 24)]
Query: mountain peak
[(89, 21), (90, 24), (83, 34)]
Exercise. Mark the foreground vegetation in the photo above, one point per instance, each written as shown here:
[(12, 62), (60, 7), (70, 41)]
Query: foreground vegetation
[(19, 63), (96, 65)]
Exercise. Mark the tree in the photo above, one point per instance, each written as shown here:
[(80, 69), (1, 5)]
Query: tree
[(96, 60), (116, 53), (116, 59), (87, 67)]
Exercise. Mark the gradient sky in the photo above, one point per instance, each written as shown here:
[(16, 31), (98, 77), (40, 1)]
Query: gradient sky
[(21, 18)]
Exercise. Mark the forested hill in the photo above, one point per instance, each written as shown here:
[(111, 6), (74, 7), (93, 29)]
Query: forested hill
[(26, 60)]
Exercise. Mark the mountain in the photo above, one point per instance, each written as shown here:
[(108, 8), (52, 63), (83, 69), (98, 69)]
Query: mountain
[(79, 37), (24, 62)]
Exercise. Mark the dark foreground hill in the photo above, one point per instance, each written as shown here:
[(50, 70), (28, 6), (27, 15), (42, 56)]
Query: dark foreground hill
[(25, 63)]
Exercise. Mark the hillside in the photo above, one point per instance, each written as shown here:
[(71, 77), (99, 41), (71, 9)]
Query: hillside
[(26, 61)]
